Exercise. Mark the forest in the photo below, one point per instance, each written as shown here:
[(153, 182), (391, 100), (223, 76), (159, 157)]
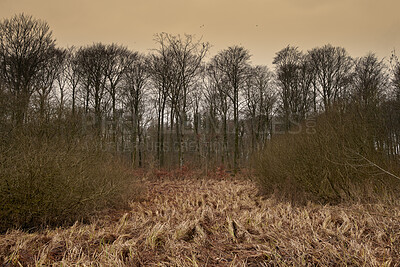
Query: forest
[(80, 128)]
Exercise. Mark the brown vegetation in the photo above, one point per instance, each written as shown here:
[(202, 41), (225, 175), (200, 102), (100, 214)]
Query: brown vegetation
[(49, 180), (339, 159), (208, 222)]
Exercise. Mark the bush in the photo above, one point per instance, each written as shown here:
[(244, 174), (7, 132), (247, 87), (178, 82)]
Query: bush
[(335, 161), (50, 180)]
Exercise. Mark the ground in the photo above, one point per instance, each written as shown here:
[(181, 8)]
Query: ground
[(215, 222)]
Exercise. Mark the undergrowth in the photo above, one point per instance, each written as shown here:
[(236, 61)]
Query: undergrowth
[(47, 180), (208, 222), (336, 161)]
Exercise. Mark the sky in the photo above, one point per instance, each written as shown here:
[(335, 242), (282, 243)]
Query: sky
[(262, 26)]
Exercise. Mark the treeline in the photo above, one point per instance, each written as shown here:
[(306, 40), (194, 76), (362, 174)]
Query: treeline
[(173, 106)]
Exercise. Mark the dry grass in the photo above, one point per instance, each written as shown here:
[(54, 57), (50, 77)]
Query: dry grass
[(213, 222)]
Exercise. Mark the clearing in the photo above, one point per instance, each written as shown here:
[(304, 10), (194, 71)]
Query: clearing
[(215, 222)]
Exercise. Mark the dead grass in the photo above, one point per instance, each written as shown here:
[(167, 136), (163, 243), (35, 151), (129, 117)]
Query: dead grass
[(210, 222)]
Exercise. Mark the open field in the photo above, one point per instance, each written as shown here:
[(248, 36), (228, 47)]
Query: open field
[(211, 222)]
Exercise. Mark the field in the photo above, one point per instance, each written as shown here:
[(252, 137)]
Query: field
[(215, 222)]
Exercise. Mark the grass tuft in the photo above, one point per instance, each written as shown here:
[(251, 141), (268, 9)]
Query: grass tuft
[(233, 226)]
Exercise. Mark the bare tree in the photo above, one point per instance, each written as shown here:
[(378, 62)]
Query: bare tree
[(288, 63), (306, 82), (44, 85), (395, 68), (219, 104), (370, 82), (135, 80), (187, 55), (176, 74), (61, 81), (233, 63), (159, 67), (118, 60), (332, 68), (24, 50), (73, 76), (259, 101), (93, 65), (216, 107)]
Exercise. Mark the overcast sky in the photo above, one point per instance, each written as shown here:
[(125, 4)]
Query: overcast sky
[(262, 26)]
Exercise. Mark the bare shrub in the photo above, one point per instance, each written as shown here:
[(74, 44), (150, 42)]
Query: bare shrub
[(49, 180), (339, 161)]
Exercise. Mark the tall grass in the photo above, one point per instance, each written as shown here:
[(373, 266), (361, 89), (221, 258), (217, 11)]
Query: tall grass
[(50, 179), (215, 222), (335, 161)]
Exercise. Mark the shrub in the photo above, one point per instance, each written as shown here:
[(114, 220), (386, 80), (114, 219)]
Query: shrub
[(336, 161), (53, 180)]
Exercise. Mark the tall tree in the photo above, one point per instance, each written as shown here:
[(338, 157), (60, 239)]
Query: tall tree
[(219, 105), (118, 60), (306, 81), (93, 65), (259, 101), (159, 66), (395, 68), (25, 47), (370, 82), (178, 70), (234, 63), (62, 82), (187, 55), (135, 80), (45, 83), (73, 75), (332, 68), (288, 63)]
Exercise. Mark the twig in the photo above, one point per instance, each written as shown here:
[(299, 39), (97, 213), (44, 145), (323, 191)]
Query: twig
[(376, 165)]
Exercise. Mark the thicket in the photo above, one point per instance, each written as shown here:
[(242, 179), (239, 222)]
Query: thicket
[(341, 159), (52, 175)]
